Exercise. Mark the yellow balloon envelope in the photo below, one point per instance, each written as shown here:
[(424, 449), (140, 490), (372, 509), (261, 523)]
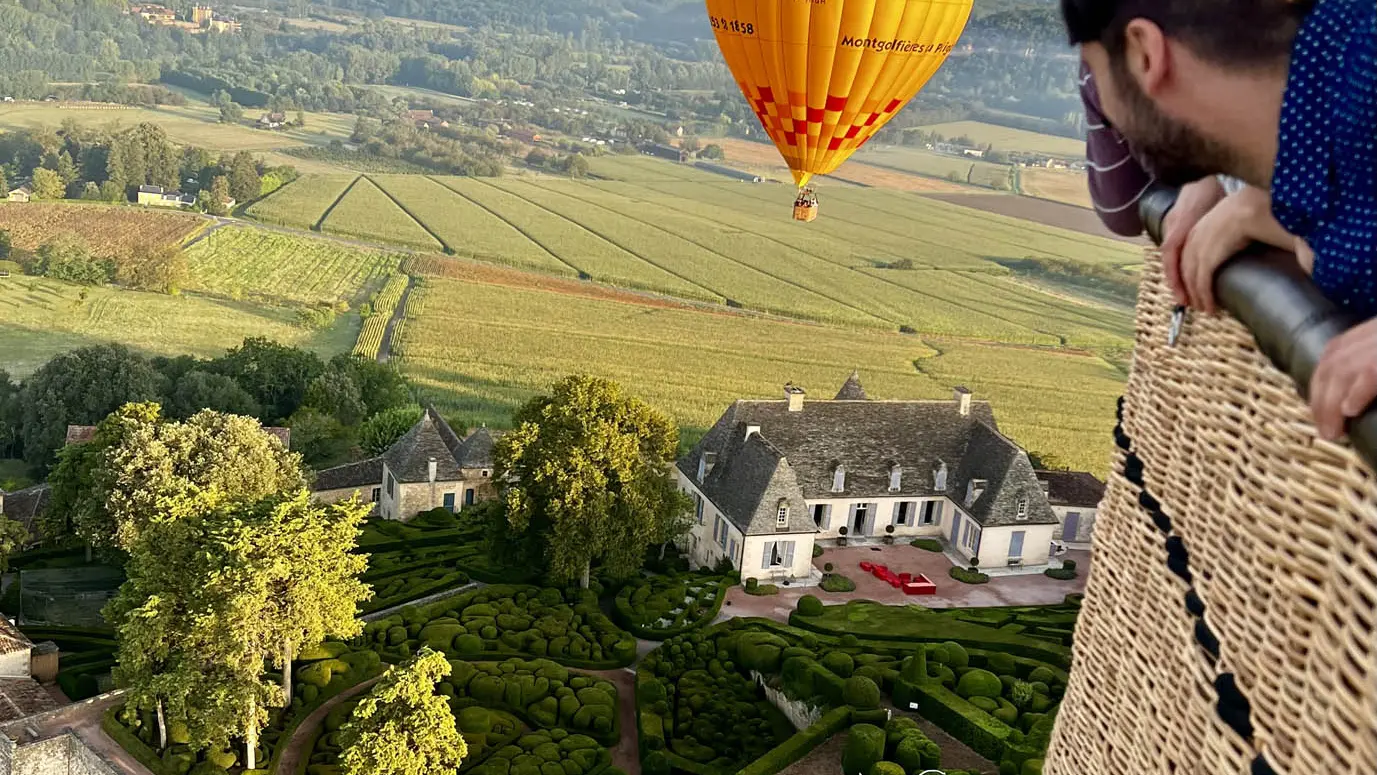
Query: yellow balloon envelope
[(824, 75)]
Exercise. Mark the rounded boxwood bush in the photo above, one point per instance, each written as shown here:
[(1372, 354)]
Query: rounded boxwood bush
[(861, 693), (1001, 663), (1042, 675), (838, 583), (839, 662), (468, 644), (979, 683), (1032, 767), (987, 704), (956, 655), (886, 768), (809, 605), (865, 745)]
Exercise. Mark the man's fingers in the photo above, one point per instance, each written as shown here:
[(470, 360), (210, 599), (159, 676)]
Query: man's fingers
[(1171, 267), (1362, 389), (1198, 274)]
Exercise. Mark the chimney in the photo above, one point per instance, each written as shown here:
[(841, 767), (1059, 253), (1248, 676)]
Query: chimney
[(963, 401), (752, 430), (794, 394), (433, 470)]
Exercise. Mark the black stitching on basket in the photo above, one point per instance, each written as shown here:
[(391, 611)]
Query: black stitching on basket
[(1233, 707)]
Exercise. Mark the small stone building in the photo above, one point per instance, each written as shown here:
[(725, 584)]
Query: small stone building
[(1075, 498), (429, 467)]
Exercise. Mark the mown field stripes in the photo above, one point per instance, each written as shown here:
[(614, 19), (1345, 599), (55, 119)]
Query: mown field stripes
[(304, 202), (366, 212)]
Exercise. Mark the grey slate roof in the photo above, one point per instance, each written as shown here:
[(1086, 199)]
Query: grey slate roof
[(409, 458), (868, 438), (362, 475), (1008, 479), (1072, 488), (851, 389), (27, 505), (749, 483)]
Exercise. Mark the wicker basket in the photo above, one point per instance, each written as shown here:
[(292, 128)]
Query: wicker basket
[(1226, 520), (805, 213)]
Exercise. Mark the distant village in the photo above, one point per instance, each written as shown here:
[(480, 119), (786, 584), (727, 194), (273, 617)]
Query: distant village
[(202, 19)]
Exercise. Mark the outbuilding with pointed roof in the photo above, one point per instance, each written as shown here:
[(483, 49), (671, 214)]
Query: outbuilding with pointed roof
[(771, 478), (429, 467)]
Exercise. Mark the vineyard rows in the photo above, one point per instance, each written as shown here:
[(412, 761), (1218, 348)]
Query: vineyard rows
[(375, 325)]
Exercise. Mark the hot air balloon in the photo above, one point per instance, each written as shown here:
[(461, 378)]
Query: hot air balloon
[(824, 75)]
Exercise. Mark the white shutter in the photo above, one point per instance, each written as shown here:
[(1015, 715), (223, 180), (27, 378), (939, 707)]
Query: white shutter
[(827, 517), (937, 513), (894, 513), (769, 550), (788, 554)]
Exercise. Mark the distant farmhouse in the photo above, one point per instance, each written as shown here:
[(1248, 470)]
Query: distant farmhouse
[(772, 478), (157, 196), (272, 120), (429, 467), (22, 194), (661, 151)]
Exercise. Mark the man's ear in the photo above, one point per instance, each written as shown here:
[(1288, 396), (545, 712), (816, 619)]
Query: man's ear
[(1147, 56)]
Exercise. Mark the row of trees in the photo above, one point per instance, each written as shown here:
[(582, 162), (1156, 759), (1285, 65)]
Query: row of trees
[(332, 407), (78, 162)]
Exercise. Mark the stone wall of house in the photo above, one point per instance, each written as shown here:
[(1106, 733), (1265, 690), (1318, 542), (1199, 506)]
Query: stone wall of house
[(994, 544), (335, 496), (839, 512), (752, 560), (62, 755), (15, 664), (1085, 528)]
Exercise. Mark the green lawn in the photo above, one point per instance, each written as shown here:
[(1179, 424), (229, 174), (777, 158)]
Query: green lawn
[(1008, 139), (40, 318)]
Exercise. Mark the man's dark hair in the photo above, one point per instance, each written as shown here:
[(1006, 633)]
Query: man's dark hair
[(1232, 33)]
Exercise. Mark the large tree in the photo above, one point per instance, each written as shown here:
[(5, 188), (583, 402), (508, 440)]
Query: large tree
[(140, 470), (587, 468), (80, 387), (243, 177), (48, 185), (382, 430), (216, 589), (197, 390), (274, 374), (403, 727)]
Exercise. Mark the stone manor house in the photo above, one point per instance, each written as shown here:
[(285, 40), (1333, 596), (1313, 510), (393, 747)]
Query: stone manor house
[(772, 478), (429, 467)]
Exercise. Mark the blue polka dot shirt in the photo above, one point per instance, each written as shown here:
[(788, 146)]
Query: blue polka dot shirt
[(1324, 185)]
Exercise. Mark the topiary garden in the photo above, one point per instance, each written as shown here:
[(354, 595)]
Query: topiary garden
[(659, 607), (516, 716), (508, 620)]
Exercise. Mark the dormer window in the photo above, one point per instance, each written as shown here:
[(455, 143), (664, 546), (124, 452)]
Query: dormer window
[(782, 514), (895, 474), (939, 477), (974, 489), (839, 479), (1022, 509)]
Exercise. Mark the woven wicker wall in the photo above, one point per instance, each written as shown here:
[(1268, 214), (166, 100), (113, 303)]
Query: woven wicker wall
[(1228, 522)]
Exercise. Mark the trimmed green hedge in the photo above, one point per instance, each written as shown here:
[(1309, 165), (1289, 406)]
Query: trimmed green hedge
[(927, 544), (985, 734), (835, 582), (967, 576), (798, 746), (1060, 574), (546, 694), (132, 744), (639, 606)]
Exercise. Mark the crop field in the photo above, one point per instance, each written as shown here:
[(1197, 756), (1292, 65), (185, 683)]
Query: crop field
[(244, 261), (1009, 139), (40, 318), (1040, 211), (196, 123), (936, 165), (375, 325), (504, 343), (763, 159), (464, 228), (108, 231), (368, 213), (303, 202), (1057, 185), (574, 244)]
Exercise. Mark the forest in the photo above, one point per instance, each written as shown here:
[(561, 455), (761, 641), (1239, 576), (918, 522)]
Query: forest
[(656, 54)]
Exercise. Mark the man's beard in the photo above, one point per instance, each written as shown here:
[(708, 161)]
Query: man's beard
[(1174, 152)]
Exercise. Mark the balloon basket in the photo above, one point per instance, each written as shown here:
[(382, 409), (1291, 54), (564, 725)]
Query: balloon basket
[(805, 213)]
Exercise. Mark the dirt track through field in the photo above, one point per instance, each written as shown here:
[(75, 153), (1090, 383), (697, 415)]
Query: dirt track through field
[(385, 349)]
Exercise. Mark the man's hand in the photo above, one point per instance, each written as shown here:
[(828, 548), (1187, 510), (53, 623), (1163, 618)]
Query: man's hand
[(1195, 200), (1236, 222), (1345, 382)]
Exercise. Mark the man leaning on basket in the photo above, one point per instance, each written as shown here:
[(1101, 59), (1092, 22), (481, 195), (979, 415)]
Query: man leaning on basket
[(1281, 94)]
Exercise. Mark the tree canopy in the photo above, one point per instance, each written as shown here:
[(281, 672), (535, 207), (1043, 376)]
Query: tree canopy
[(587, 470), (403, 727)]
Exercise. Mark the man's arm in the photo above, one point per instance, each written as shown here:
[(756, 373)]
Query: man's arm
[(1117, 180)]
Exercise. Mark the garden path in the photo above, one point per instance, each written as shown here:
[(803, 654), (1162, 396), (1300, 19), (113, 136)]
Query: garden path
[(295, 749), (626, 754), (386, 612)]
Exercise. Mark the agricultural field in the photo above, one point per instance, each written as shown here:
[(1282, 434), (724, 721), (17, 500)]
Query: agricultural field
[(1005, 138), (241, 261), (303, 202), (464, 228), (919, 162), (109, 231), (763, 159), (1043, 212), (1057, 185), (368, 213), (196, 123), (40, 318), (505, 342)]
